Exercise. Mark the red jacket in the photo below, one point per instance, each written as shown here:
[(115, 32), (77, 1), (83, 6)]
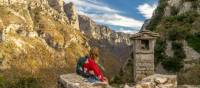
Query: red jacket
[(91, 67)]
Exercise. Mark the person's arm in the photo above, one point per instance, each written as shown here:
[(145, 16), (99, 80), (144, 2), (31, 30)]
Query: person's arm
[(97, 71)]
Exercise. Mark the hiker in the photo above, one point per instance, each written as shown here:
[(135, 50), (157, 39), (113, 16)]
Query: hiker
[(89, 67)]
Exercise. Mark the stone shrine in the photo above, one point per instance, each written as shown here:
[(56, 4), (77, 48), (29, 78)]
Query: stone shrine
[(143, 54)]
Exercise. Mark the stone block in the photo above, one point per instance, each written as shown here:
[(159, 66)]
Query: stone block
[(75, 81)]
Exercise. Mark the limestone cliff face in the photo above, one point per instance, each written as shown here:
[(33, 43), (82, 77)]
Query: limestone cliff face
[(36, 38), (180, 7), (71, 12), (100, 32), (56, 4), (115, 47), (178, 21)]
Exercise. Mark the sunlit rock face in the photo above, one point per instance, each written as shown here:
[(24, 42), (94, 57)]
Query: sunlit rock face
[(71, 12), (57, 4), (178, 7), (35, 38)]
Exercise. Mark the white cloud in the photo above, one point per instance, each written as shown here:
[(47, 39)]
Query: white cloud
[(147, 10), (126, 31), (102, 13), (115, 19), (92, 5), (119, 20)]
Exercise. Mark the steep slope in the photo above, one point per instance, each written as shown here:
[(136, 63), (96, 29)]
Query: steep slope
[(115, 47), (37, 40), (177, 21)]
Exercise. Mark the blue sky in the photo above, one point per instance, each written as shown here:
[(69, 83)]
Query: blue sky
[(120, 15)]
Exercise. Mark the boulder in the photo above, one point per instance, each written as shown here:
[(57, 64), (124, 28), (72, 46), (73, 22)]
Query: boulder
[(75, 81), (158, 81), (161, 80)]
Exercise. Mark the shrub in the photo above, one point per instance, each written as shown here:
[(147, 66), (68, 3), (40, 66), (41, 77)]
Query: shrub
[(194, 41), (2, 82), (175, 63), (178, 50), (160, 51), (172, 64), (177, 34), (190, 76), (27, 82), (125, 74), (174, 11), (118, 79), (23, 82)]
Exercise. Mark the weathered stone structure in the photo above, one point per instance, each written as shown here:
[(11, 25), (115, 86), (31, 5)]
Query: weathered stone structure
[(143, 54)]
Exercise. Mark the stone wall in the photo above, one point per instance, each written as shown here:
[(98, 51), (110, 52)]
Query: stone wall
[(144, 65)]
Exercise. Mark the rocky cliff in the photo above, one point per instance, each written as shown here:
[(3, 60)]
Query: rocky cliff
[(115, 47), (38, 40), (71, 12), (44, 38), (100, 32), (177, 21)]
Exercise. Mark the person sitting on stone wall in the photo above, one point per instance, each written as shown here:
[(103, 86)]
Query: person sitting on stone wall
[(89, 68)]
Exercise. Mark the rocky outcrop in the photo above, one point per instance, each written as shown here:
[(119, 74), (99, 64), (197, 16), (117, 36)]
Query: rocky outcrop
[(178, 7), (36, 38), (70, 11), (157, 81), (192, 56), (57, 4), (146, 22), (76, 81)]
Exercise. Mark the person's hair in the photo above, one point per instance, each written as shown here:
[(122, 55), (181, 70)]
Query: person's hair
[(94, 53)]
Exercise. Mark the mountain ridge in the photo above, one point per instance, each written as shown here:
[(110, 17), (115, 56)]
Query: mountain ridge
[(42, 39)]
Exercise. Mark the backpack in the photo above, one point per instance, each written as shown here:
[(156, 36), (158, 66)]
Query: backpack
[(79, 67)]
